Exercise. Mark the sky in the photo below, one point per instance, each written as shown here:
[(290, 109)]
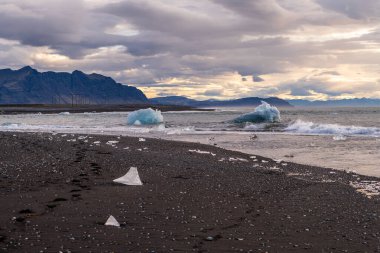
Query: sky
[(206, 49)]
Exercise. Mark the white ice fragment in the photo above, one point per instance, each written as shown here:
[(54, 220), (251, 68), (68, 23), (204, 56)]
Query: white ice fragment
[(264, 161), (237, 159), (112, 222), (131, 178), (252, 157), (96, 142), (201, 152), (126, 148), (112, 142), (368, 188), (339, 137), (64, 113), (275, 168), (145, 117), (142, 139)]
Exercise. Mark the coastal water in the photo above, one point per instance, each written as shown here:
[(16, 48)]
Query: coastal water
[(340, 138)]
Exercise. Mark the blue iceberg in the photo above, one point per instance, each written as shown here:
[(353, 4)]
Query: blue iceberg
[(145, 117), (263, 113)]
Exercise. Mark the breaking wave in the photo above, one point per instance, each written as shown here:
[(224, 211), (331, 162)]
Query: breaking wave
[(300, 126)]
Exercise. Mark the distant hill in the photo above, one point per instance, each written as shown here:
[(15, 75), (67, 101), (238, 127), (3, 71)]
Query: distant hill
[(250, 101), (355, 102), (28, 86)]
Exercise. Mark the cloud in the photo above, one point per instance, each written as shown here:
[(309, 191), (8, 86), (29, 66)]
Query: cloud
[(257, 79), (197, 48), (353, 8), (213, 93)]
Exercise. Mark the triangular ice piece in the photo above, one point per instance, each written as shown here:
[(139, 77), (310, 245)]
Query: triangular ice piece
[(112, 222), (131, 178)]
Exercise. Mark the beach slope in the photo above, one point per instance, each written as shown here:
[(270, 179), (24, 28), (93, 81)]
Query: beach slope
[(57, 191)]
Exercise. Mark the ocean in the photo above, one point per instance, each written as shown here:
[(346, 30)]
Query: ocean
[(339, 138)]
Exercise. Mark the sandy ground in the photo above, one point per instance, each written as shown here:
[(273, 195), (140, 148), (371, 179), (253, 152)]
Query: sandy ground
[(56, 192)]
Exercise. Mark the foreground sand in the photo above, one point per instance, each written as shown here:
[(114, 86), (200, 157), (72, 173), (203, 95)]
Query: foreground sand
[(56, 194)]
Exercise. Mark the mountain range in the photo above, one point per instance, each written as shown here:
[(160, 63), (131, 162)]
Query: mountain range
[(28, 86), (249, 101), (355, 102)]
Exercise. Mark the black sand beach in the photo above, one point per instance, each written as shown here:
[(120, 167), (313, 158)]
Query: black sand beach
[(56, 192)]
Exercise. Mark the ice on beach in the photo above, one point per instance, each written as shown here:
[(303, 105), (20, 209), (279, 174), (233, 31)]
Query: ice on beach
[(368, 188), (263, 113), (112, 222), (64, 113), (131, 178), (145, 117), (142, 139), (201, 152), (112, 143), (237, 159), (339, 137)]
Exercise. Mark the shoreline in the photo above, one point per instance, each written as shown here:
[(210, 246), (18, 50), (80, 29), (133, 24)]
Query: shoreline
[(197, 138), (57, 193), (48, 109)]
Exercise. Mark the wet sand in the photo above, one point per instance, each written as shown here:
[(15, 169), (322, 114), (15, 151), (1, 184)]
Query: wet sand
[(56, 192)]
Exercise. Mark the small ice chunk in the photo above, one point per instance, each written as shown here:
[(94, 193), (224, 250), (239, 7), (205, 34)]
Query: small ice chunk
[(237, 159), (201, 152), (112, 142), (96, 142), (131, 178), (112, 222), (145, 117), (339, 137), (64, 113), (142, 139)]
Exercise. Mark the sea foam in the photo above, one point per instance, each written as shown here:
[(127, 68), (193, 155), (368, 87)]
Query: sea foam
[(305, 127), (263, 113)]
